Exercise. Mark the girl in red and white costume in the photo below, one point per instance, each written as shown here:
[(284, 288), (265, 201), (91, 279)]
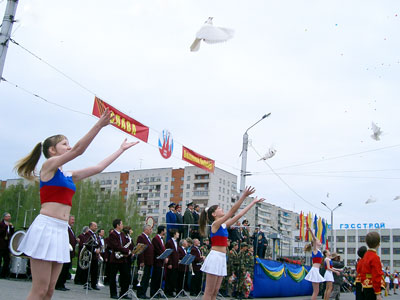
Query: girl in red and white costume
[(46, 241), (215, 263)]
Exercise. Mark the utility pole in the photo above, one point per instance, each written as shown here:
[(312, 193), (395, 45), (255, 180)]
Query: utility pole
[(5, 34)]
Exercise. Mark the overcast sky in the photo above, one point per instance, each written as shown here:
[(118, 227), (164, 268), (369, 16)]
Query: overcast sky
[(324, 69)]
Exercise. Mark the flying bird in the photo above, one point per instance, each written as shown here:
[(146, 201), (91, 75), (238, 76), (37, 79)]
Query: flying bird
[(397, 198), (376, 132), (327, 195), (270, 153), (371, 200), (211, 34)]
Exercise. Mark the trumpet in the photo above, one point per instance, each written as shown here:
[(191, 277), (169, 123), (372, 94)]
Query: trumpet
[(119, 255), (140, 275)]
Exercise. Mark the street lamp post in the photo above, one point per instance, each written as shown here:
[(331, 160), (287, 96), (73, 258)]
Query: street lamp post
[(339, 205), (244, 154)]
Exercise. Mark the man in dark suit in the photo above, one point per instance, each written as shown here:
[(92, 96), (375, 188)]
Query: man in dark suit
[(116, 242), (260, 243), (6, 232), (182, 268), (64, 275), (172, 265), (95, 249), (195, 286), (159, 248), (170, 219), (145, 261), (234, 233)]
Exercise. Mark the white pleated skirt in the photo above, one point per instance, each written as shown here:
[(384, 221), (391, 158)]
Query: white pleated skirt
[(395, 281), (215, 263), (47, 239), (387, 279), (314, 275), (328, 276)]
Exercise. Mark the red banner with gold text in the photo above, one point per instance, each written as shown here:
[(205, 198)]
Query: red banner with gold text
[(121, 121), (198, 160)]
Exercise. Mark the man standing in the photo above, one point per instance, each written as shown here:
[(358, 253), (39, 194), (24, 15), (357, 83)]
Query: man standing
[(195, 285), (195, 228), (179, 219), (234, 233), (170, 219), (338, 279), (145, 260), (64, 275), (115, 243), (95, 249), (188, 220), (260, 243), (171, 281), (159, 248), (6, 232)]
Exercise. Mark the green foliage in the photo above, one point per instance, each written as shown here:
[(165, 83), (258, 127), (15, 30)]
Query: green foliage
[(90, 203)]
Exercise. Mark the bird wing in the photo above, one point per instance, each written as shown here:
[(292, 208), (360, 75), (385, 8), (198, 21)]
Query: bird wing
[(397, 198), (211, 34), (375, 128), (370, 200), (195, 45)]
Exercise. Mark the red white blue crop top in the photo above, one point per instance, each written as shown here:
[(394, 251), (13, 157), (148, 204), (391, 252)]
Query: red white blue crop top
[(326, 265), (220, 238), (59, 189), (316, 258)]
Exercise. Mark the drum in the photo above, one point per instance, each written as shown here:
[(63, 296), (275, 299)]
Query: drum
[(19, 265), (16, 239)]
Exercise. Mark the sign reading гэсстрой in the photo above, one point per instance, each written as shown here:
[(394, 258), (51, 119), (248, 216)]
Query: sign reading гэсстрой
[(121, 121), (198, 160)]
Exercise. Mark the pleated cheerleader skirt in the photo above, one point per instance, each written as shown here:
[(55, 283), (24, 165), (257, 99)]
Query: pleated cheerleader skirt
[(328, 276), (395, 281), (47, 239), (387, 279), (314, 275), (215, 263)]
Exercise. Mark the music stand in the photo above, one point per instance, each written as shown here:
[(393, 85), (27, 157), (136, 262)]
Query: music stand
[(186, 261), (139, 249), (162, 256)]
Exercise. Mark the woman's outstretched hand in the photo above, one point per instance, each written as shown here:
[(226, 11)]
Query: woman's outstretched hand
[(248, 191), (256, 200), (125, 145), (105, 118)]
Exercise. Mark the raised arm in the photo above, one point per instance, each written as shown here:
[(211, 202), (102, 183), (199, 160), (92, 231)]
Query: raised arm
[(233, 220), (90, 171), (79, 148), (314, 239), (247, 192)]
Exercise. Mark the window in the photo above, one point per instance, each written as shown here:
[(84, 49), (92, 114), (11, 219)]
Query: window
[(223, 182), (223, 190), (223, 198), (340, 250), (329, 239), (165, 202), (187, 177), (187, 194), (385, 251), (164, 211), (396, 263), (385, 238), (361, 239), (396, 250), (351, 239), (219, 197), (172, 195), (188, 186), (219, 189), (166, 187), (220, 180), (173, 179), (165, 195), (115, 182), (127, 182), (396, 239), (340, 239), (182, 178), (172, 187), (166, 179), (351, 250), (386, 263)]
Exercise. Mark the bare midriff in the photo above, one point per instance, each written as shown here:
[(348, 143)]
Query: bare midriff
[(219, 248), (316, 265), (56, 210)]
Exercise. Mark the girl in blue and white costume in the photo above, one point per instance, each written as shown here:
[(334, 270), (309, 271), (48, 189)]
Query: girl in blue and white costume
[(215, 262), (314, 276), (328, 274)]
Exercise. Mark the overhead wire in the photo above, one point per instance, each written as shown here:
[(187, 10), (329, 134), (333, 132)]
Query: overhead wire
[(285, 183)]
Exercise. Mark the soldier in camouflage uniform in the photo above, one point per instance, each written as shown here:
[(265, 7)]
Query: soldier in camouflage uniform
[(233, 265), (246, 264), (224, 285), (204, 250)]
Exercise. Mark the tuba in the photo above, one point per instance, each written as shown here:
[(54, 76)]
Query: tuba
[(85, 256)]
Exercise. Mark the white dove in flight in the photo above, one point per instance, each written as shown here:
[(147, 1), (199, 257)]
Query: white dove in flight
[(371, 200), (376, 132), (211, 34), (397, 198), (270, 153)]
